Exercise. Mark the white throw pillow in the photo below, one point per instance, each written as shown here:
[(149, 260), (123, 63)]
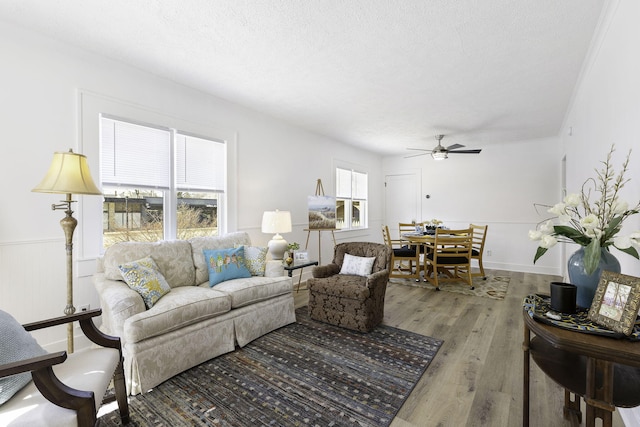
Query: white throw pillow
[(357, 265)]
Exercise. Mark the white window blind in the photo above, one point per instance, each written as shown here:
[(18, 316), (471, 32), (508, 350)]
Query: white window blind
[(359, 185), (134, 155), (343, 183), (200, 164)]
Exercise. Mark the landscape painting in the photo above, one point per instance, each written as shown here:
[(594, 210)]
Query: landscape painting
[(322, 212)]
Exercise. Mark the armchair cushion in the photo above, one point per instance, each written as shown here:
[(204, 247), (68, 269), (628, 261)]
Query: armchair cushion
[(144, 277), (17, 344), (356, 265)]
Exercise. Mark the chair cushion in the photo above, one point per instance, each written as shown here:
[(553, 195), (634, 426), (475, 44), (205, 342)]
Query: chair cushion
[(225, 264), (17, 344), (88, 370), (144, 277), (475, 252), (357, 265), (404, 252), (450, 260), (339, 285)]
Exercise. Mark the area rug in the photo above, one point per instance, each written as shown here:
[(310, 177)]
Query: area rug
[(306, 373), (493, 287)]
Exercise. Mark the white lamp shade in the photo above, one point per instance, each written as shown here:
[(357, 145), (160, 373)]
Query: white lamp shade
[(276, 222), (68, 174)]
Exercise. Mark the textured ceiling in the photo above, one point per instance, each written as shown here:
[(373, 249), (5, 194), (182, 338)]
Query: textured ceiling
[(385, 75)]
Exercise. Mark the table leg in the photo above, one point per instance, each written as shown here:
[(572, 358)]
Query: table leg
[(525, 377), (599, 399), (571, 408)]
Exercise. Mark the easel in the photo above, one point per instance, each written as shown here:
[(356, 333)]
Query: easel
[(319, 192)]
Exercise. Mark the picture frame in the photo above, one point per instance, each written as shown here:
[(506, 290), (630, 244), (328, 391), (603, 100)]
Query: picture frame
[(300, 256), (616, 302)]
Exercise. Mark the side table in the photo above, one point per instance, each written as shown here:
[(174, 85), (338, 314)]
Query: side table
[(298, 265), (604, 371)]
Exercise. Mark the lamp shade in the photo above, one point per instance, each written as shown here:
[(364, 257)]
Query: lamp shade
[(276, 222), (68, 173)]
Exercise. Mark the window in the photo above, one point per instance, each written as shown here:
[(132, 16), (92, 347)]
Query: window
[(158, 183), (351, 199)]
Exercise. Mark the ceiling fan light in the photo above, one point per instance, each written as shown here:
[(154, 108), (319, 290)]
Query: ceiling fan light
[(439, 155)]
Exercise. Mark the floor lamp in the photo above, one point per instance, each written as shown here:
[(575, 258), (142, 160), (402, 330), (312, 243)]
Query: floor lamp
[(68, 174)]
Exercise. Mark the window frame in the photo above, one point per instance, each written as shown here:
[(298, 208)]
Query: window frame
[(90, 106), (349, 202)]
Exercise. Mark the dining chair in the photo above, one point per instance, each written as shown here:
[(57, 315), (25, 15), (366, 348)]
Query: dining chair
[(477, 247), (405, 259), (408, 227), (449, 257)]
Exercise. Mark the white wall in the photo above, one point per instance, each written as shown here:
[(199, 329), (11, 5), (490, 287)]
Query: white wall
[(606, 110), (497, 187), (40, 79)]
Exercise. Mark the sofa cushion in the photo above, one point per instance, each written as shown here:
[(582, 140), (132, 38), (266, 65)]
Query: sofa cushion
[(254, 289), (199, 244), (173, 258), (256, 259), (17, 344), (144, 277), (181, 307), (225, 264)]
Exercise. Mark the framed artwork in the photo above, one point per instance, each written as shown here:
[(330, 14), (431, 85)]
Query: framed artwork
[(322, 212), (615, 304), (300, 256)]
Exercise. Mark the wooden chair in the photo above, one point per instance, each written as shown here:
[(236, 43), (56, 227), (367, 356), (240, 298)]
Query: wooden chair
[(66, 388), (477, 247), (408, 227), (405, 260), (449, 253)]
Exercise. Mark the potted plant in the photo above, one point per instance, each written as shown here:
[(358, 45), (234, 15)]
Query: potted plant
[(294, 246)]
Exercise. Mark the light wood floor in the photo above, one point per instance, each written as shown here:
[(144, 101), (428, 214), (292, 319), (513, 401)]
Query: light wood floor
[(476, 377)]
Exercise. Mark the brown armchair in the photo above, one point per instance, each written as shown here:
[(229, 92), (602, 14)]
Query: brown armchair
[(349, 300), (66, 388)]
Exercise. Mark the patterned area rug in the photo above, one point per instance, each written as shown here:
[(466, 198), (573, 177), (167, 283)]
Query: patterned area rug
[(494, 287), (306, 373)]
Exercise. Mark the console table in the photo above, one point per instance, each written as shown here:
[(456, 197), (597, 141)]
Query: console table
[(604, 371), (299, 265)]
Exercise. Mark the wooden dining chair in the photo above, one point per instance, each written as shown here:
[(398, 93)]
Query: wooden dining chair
[(405, 259), (477, 247), (449, 257), (408, 227)]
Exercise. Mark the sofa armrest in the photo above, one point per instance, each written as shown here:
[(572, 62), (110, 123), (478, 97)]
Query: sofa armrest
[(325, 270), (118, 302)]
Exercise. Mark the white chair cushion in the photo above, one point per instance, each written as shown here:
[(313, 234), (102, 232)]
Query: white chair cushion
[(88, 370)]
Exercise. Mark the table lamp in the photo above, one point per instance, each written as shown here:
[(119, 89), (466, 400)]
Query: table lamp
[(68, 174), (276, 222)]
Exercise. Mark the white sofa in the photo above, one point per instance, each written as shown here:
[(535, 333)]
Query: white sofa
[(193, 322)]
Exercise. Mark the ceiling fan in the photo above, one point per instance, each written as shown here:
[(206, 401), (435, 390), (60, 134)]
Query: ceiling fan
[(441, 153)]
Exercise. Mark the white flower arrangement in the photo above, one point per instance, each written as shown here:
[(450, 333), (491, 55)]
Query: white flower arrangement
[(592, 225)]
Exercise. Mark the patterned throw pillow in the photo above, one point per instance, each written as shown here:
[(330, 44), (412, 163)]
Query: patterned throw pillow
[(225, 264), (357, 265), (144, 277), (17, 344), (256, 259)]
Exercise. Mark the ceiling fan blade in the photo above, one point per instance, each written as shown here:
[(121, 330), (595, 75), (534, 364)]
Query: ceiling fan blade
[(454, 146), (416, 155), (419, 149), (476, 151)]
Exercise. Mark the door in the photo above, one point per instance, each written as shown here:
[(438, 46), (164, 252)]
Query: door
[(402, 200)]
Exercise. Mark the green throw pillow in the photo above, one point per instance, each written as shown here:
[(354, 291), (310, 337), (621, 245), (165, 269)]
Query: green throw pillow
[(225, 264), (144, 277), (17, 344)]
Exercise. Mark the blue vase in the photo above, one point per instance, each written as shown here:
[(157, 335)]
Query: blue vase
[(588, 283)]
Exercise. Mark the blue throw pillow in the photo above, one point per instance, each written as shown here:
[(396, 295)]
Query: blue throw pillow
[(17, 344), (225, 264)]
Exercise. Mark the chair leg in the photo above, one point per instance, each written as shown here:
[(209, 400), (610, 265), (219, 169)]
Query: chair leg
[(121, 393)]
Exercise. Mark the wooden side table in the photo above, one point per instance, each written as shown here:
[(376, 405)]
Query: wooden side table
[(604, 371)]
